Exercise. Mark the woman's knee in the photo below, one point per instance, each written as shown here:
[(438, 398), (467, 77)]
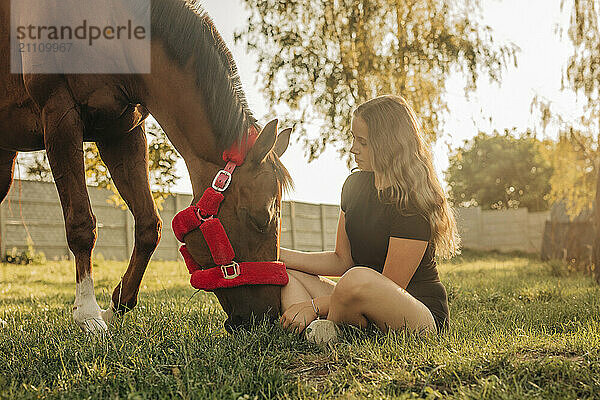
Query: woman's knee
[(353, 287), (316, 285)]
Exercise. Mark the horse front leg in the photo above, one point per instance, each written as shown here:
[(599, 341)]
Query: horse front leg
[(63, 139), (127, 161)]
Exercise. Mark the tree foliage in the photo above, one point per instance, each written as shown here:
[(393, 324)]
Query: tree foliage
[(583, 69), (162, 158), (576, 159), (323, 58), (583, 76), (500, 171), (574, 179), (573, 157)]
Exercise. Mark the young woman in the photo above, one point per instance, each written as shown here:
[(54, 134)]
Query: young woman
[(394, 219)]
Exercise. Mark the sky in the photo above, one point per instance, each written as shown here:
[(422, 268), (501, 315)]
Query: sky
[(531, 25)]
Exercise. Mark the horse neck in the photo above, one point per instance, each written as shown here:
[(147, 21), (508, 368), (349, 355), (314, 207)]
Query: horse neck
[(178, 105)]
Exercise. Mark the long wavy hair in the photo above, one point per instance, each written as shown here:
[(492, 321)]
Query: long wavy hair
[(402, 160)]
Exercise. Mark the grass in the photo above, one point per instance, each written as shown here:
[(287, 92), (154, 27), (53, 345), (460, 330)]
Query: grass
[(520, 328)]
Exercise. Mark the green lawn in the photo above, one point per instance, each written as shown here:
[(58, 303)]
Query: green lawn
[(520, 328)]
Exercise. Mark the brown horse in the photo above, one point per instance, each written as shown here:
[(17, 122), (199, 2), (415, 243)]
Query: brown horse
[(194, 92)]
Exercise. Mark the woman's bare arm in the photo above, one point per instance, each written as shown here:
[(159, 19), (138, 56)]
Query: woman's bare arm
[(403, 258), (329, 263)]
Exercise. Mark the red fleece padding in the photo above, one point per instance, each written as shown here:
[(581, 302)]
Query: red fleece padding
[(217, 240), (190, 263), (185, 221), (238, 151), (209, 202), (251, 273)]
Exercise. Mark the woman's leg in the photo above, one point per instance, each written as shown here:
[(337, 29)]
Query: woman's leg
[(303, 287), (364, 295), (292, 293), (316, 285)]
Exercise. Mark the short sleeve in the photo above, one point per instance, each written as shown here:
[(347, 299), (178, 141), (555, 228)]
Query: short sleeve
[(409, 227), (346, 189)]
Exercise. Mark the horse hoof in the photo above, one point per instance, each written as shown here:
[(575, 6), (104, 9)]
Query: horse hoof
[(89, 319), (93, 326)]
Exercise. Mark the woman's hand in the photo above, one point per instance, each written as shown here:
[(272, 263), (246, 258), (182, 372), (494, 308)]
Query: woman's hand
[(298, 316)]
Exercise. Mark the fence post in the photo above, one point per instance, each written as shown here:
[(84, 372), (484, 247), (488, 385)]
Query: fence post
[(323, 227), (293, 224)]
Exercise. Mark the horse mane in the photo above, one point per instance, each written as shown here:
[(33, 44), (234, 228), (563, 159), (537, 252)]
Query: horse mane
[(188, 33)]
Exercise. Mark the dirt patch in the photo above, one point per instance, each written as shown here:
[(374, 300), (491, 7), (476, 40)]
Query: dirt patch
[(314, 369)]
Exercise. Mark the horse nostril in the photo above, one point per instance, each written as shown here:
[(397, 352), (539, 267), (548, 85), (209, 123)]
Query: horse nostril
[(261, 224), (235, 322), (258, 220)]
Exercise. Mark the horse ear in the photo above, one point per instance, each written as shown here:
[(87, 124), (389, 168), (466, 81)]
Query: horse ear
[(264, 143), (283, 140)]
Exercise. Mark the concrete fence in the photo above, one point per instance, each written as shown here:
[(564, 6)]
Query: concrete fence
[(506, 230), (32, 209)]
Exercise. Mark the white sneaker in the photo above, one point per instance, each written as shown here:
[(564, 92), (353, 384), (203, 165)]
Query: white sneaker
[(322, 331)]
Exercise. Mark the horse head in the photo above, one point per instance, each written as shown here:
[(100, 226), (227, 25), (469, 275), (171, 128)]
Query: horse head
[(250, 215)]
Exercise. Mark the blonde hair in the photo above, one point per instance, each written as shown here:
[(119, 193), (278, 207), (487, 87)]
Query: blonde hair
[(401, 158)]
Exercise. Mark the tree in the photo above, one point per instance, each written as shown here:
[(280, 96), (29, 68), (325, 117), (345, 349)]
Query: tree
[(500, 171), (323, 58), (573, 159), (582, 75), (162, 159), (576, 157)]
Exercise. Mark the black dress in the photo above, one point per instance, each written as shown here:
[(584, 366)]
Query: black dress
[(369, 225)]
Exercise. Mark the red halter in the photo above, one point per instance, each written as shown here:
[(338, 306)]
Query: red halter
[(203, 215)]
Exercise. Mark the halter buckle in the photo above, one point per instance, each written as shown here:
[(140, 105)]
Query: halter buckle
[(201, 217), (236, 270), (225, 182)]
